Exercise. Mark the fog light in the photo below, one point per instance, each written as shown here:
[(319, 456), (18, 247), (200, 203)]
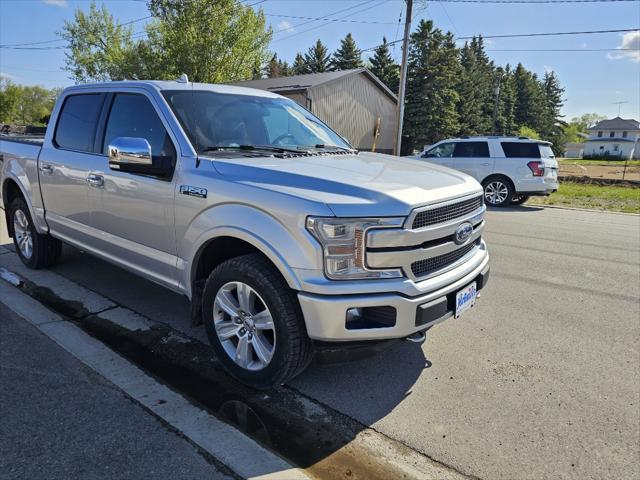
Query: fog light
[(354, 314)]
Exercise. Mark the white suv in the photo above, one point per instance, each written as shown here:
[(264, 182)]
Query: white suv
[(510, 169)]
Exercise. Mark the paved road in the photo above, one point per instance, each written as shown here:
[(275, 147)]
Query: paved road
[(61, 420), (540, 380)]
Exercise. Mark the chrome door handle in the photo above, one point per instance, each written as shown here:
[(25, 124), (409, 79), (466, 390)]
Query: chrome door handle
[(95, 180), (46, 169)]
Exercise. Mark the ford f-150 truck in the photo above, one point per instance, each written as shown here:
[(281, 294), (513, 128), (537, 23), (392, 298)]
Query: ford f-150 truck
[(285, 239)]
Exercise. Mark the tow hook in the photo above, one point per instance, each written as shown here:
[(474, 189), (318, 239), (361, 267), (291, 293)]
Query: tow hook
[(418, 337)]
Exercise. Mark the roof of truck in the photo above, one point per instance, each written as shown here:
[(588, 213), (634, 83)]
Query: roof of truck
[(177, 85)]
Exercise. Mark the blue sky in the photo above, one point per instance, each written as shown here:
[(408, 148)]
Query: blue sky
[(593, 80)]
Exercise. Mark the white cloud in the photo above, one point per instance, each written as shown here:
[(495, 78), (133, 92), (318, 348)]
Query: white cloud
[(285, 26), (629, 48), (57, 3), (548, 69), (6, 76)]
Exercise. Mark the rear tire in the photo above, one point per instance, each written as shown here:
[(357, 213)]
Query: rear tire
[(254, 322), (498, 191), (519, 199), (34, 249)]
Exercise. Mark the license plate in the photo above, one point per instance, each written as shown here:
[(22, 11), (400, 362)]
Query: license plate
[(465, 299)]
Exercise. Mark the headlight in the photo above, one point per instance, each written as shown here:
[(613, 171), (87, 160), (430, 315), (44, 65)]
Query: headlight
[(343, 245)]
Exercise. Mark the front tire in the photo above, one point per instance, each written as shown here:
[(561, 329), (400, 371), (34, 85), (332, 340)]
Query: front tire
[(498, 191), (254, 322), (35, 250)]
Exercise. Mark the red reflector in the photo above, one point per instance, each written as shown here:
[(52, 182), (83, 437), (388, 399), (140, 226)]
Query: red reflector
[(537, 168)]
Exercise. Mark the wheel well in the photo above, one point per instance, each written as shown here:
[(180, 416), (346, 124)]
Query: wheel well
[(11, 191), (217, 251), (501, 177)]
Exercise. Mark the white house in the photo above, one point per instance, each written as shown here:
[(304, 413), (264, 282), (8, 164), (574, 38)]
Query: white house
[(615, 138)]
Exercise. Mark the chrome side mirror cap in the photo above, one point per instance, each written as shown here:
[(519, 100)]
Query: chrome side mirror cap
[(129, 151)]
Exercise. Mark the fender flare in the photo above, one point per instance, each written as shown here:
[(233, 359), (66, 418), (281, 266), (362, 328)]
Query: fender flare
[(10, 176)]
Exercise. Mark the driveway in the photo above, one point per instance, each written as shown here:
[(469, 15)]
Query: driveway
[(539, 380)]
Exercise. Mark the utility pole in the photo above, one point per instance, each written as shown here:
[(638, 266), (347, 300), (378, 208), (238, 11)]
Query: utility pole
[(403, 78), (496, 103)]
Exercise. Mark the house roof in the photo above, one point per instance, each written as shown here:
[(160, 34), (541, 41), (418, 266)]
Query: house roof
[(311, 80), (617, 124)]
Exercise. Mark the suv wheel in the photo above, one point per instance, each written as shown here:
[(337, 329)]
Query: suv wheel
[(497, 191), (254, 322), (35, 250)]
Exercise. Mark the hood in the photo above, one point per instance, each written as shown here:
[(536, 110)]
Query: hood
[(358, 185)]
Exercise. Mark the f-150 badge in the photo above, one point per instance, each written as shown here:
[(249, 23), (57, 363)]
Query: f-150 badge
[(193, 191)]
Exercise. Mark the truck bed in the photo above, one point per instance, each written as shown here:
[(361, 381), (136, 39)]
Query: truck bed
[(22, 138)]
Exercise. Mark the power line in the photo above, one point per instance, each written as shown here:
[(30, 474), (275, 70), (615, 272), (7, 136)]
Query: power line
[(11, 45), (326, 17), (515, 2), (542, 34), (326, 23), (342, 20)]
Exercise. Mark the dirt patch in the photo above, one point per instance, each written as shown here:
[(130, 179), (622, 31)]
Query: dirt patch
[(600, 171)]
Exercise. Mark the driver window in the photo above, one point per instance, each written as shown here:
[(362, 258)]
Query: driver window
[(441, 151)]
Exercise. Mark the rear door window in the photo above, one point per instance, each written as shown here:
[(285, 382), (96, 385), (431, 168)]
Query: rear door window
[(471, 149), (520, 149), (77, 122)]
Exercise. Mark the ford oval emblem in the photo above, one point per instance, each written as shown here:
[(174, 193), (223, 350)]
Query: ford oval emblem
[(463, 232)]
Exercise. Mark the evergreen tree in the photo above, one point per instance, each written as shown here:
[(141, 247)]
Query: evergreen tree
[(317, 58), (383, 66), (299, 66), (474, 88), (529, 99), (505, 121), (432, 97), (552, 126), (348, 56), (273, 68), (285, 69)]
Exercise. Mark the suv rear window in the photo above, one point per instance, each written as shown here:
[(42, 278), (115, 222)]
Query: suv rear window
[(520, 149), (77, 122), (471, 149)]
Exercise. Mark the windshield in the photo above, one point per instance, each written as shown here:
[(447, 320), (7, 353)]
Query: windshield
[(216, 121)]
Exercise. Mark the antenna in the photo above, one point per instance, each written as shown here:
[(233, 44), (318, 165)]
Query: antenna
[(183, 78), (620, 104)]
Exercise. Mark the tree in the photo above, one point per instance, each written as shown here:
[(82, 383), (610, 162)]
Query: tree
[(348, 56), (552, 125), (384, 67), (99, 48), (273, 68), (210, 40), (299, 66), (25, 105), (432, 97), (529, 96), (476, 85), (505, 121), (317, 58)]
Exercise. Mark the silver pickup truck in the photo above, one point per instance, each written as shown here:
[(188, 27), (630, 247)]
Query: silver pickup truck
[(285, 239)]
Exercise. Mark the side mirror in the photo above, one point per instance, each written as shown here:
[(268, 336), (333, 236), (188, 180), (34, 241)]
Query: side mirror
[(129, 154)]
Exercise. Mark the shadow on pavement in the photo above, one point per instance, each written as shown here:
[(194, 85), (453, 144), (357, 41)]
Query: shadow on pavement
[(307, 433)]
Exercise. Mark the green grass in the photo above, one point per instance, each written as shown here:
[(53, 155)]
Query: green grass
[(599, 197), (580, 161)]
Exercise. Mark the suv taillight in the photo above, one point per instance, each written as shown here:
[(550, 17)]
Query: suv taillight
[(537, 168)]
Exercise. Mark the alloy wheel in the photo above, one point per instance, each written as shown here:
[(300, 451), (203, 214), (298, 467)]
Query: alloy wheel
[(22, 233), (244, 326), (496, 192)]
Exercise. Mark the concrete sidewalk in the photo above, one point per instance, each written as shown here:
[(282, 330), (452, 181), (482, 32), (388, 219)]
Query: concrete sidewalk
[(59, 419)]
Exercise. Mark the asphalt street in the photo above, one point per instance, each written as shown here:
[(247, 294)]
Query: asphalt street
[(539, 380), (61, 420)]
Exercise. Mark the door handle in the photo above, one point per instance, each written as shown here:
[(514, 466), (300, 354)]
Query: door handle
[(95, 180), (46, 169)]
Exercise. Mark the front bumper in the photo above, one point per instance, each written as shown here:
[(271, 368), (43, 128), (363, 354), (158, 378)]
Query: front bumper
[(325, 315)]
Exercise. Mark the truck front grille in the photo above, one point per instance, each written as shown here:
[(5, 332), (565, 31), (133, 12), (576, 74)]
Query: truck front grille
[(446, 213), (429, 265)]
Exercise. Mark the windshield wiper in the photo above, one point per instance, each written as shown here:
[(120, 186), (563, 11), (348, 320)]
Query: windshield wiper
[(335, 147), (266, 148)]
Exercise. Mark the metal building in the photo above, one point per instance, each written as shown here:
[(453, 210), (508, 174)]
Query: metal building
[(355, 103)]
